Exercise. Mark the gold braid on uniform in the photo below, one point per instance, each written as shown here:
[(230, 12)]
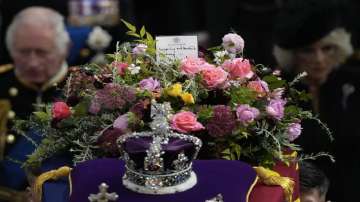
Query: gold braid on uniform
[(6, 68)]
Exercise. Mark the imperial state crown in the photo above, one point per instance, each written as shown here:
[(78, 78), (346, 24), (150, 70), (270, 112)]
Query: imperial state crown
[(159, 161)]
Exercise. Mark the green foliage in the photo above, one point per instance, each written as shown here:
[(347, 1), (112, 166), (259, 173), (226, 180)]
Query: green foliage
[(205, 113), (142, 36), (274, 82), (233, 152), (241, 95)]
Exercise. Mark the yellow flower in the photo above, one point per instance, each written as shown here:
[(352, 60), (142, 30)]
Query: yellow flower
[(187, 98), (175, 90)]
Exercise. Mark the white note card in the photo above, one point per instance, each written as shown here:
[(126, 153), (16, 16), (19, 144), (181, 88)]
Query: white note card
[(176, 47)]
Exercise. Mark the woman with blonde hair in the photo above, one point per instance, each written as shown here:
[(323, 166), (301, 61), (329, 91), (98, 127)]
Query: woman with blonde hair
[(311, 36)]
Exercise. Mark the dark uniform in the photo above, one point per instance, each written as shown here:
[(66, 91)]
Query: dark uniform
[(21, 98)]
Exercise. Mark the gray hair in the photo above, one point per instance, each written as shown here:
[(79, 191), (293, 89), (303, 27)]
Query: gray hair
[(40, 16), (339, 37)]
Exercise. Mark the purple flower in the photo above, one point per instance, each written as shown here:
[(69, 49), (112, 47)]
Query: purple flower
[(222, 123), (246, 114), (139, 49), (233, 43), (149, 84), (121, 123), (294, 131), (95, 107), (114, 96), (275, 108), (277, 93), (140, 108)]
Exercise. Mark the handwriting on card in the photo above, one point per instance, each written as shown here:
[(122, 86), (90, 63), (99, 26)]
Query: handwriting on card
[(176, 47)]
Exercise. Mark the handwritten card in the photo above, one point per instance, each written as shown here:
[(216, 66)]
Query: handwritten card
[(176, 47)]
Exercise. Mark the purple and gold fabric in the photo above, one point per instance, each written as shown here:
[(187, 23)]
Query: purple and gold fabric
[(234, 180)]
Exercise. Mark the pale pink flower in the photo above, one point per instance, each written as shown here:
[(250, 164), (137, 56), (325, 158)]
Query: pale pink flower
[(238, 68), (246, 114), (275, 108), (121, 123), (213, 77), (294, 131), (277, 93), (233, 43), (140, 49), (258, 86), (185, 122), (190, 65)]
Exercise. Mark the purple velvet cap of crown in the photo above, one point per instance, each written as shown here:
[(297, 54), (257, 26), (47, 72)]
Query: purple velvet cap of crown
[(136, 148)]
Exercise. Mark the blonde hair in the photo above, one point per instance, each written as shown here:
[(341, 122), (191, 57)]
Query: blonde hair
[(338, 37)]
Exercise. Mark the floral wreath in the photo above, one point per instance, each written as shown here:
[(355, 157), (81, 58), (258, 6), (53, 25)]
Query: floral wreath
[(241, 110)]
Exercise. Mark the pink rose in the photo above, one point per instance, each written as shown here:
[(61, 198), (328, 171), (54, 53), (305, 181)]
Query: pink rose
[(60, 110), (294, 131), (120, 66), (233, 43), (190, 65), (185, 122), (258, 86), (246, 114), (275, 108), (238, 68), (213, 77)]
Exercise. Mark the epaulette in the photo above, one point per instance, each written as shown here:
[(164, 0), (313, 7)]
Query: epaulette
[(6, 68)]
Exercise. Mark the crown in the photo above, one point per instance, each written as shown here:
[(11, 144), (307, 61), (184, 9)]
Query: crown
[(159, 161)]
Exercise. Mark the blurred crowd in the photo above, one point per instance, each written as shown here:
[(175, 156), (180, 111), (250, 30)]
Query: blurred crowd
[(320, 37)]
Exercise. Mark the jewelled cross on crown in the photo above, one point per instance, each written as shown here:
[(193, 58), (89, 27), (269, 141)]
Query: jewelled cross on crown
[(103, 195)]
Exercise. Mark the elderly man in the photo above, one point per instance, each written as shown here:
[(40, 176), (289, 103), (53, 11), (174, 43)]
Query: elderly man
[(38, 44)]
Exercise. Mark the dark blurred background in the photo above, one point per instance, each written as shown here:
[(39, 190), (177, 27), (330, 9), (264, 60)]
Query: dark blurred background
[(252, 19), (210, 19)]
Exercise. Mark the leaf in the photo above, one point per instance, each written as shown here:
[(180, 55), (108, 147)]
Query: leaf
[(42, 116), (129, 26), (304, 96), (81, 108), (215, 48), (129, 59), (205, 113), (149, 37), (142, 31), (226, 154), (235, 151), (242, 95), (292, 110), (130, 33), (274, 82)]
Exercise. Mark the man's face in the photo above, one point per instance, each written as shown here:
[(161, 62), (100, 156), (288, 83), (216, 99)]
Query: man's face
[(312, 196), (35, 54), (317, 60)]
